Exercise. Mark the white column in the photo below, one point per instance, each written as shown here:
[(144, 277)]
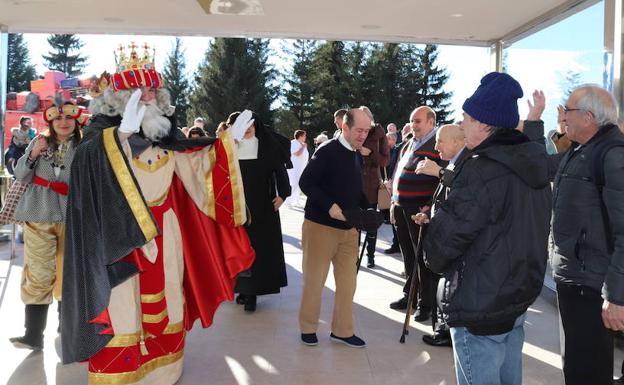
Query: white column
[(4, 58), (496, 56), (613, 46)]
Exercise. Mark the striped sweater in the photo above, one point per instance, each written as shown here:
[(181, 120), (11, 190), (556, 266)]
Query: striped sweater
[(411, 189)]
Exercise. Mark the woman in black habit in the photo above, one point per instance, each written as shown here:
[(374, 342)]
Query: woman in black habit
[(262, 163)]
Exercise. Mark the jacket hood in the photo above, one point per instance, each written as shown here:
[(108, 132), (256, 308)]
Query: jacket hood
[(524, 158)]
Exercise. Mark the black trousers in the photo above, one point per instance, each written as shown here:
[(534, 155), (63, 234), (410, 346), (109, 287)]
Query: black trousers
[(371, 238), (425, 289), (587, 345)]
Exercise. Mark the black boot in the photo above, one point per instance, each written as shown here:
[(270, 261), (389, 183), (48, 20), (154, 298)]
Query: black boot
[(36, 317), (241, 299), (371, 239), (371, 261), (250, 303)]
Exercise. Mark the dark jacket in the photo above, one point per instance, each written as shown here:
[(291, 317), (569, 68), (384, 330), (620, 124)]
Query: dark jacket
[(489, 239), (444, 187), (579, 250), (380, 154)]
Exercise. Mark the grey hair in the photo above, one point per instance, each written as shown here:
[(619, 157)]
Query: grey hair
[(113, 102), (599, 102)]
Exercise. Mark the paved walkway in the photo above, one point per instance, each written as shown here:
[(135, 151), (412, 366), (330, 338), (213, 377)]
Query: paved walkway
[(264, 348)]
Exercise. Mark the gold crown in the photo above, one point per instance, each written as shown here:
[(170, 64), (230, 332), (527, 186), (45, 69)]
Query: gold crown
[(133, 61)]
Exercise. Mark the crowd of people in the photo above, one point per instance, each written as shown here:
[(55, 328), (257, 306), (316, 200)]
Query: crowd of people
[(139, 228)]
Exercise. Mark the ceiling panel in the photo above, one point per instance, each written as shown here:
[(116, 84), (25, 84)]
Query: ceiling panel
[(468, 22)]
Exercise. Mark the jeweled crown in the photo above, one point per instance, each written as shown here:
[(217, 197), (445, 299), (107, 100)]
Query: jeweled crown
[(127, 58)]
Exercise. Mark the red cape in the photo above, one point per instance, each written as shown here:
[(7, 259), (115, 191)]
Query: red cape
[(213, 255)]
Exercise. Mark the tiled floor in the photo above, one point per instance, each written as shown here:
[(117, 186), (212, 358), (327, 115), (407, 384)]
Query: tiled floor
[(263, 347)]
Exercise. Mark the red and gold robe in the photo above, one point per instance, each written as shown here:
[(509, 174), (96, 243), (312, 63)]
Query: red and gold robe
[(189, 206)]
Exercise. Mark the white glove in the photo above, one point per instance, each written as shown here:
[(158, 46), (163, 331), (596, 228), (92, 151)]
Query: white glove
[(133, 114), (242, 123)]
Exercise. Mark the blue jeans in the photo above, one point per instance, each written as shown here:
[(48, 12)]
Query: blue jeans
[(489, 360)]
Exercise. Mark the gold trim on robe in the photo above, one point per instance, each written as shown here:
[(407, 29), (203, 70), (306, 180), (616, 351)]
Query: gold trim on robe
[(128, 186), (174, 328), (155, 318), (136, 376), (152, 298), (212, 158), (151, 167)]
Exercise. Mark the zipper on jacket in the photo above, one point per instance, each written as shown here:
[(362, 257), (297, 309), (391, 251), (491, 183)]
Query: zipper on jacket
[(580, 243)]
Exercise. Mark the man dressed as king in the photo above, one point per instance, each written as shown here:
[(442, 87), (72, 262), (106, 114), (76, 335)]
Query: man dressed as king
[(153, 235)]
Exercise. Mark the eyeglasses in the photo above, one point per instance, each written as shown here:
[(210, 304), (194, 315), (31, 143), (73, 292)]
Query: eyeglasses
[(566, 109)]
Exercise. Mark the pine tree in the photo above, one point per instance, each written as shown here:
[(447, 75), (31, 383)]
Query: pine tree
[(432, 88), (298, 96), (61, 57), (357, 62), (176, 81), (20, 71), (384, 76), (234, 76), (330, 81)]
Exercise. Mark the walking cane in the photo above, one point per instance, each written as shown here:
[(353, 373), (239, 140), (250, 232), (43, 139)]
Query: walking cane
[(412, 288), (359, 261)]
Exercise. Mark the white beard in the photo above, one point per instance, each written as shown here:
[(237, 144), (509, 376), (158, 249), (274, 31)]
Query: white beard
[(155, 124)]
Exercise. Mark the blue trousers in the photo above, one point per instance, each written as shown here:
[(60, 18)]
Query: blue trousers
[(489, 360)]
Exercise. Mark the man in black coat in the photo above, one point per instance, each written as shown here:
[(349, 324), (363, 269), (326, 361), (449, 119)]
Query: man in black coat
[(489, 239), (588, 234), (450, 143)]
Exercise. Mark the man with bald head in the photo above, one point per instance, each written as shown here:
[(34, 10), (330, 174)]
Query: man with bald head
[(587, 244), (412, 193), (451, 146), (332, 181)]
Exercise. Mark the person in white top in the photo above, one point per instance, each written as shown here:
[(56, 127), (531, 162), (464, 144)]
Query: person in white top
[(299, 157)]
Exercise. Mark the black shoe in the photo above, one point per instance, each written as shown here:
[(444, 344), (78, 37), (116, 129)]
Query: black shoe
[(400, 304), (35, 317), (392, 250), (250, 303), (240, 299), (438, 338), (353, 341), (422, 314), (309, 339), (371, 262)]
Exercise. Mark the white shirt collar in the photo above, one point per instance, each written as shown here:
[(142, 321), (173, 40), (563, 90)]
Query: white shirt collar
[(344, 142), (248, 149)]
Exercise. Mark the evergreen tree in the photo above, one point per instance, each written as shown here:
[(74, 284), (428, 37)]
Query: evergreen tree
[(176, 81), (330, 81), (20, 71), (62, 58), (285, 122), (234, 76), (385, 77), (298, 96), (357, 62), (431, 90)]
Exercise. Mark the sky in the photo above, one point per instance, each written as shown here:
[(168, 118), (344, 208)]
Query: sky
[(537, 61)]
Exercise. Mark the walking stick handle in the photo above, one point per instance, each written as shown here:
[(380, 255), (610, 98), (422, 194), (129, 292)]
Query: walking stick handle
[(412, 288)]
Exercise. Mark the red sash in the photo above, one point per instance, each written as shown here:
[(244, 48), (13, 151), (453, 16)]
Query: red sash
[(57, 187)]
